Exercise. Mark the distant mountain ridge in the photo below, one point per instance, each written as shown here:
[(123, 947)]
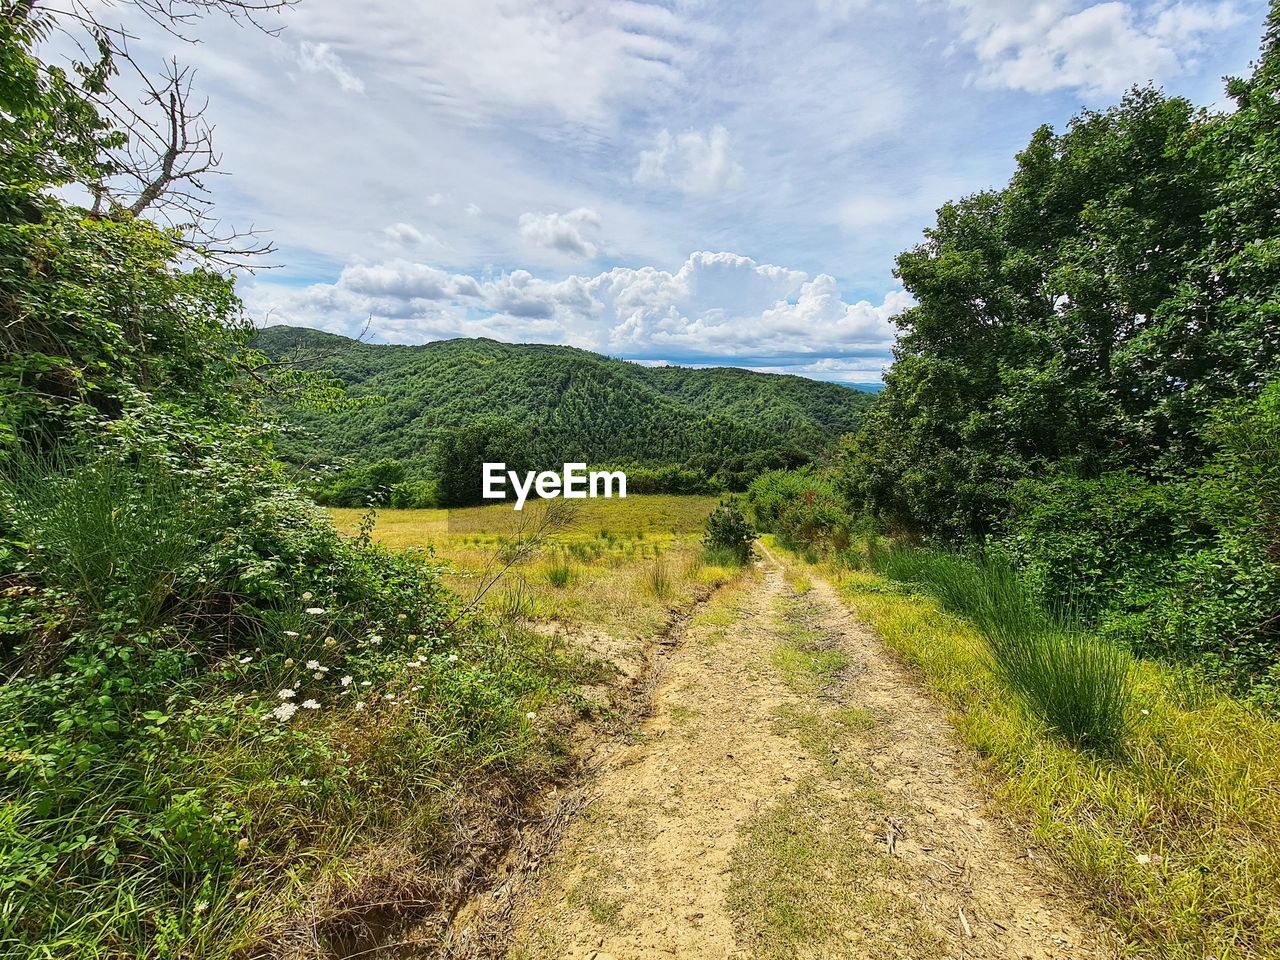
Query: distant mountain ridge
[(576, 405)]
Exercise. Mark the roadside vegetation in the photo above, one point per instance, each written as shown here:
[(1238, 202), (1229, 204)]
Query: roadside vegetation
[(1064, 508), (1176, 839)]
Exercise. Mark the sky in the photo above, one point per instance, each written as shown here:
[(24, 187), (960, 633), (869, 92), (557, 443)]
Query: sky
[(671, 182)]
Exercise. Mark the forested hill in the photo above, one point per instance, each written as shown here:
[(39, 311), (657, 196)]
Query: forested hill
[(574, 404)]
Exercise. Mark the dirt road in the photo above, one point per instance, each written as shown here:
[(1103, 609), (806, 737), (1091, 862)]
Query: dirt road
[(794, 794)]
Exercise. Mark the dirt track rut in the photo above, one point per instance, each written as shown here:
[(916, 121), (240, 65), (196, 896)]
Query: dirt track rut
[(794, 794)]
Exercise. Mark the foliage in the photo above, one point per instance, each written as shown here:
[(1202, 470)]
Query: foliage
[(369, 485), (1188, 570), (696, 430), (463, 450), (1088, 318), (1082, 386), (729, 532), (1078, 686), (803, 507), (215, 706), (157, 603)]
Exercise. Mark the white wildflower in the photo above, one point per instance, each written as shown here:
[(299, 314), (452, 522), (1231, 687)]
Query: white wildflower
[(291, 633), (284, 711), (453, 658), (310, 705), (313, 664), (329, 641), (366, 683), (288, 662), (531, 715), (200, 907), (345, 681), (416, 687), (360, 705), (315, 611), (246, 659), (307, 595), (318, 675), (375, 639), (287, 694), (304, 783)]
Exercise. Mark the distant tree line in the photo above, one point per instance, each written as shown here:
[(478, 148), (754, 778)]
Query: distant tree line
[(436, 412)]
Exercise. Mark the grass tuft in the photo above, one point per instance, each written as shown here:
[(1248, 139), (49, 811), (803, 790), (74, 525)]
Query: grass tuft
[(1080, 687)]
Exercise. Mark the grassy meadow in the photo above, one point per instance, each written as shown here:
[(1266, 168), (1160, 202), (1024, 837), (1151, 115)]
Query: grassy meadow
[(620, 566)]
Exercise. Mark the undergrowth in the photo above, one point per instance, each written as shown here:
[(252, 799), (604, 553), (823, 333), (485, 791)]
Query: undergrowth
[(227, 728), (1177, 840), (1080, 687)]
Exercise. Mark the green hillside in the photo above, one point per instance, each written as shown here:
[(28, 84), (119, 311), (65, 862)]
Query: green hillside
[(571, 404)]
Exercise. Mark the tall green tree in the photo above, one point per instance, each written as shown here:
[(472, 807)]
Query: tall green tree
[(1089, 316)]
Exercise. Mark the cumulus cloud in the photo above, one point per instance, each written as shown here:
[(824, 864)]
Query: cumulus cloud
[(562, 231), (716, 305), (693, 162), (321, 58), (1101, 48)]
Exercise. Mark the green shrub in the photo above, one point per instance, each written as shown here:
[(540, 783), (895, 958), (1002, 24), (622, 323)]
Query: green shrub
[(728, 531), (803, 508), (365, 485), (667, 479), (415, 494), (155, 606)]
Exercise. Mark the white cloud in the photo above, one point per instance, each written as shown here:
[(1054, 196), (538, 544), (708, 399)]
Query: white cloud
[(694, 162), (407, 235), (839, 369), (473, 210), (486, 60), (715, 305), (1101, 48), (561, 231), (321, 58)]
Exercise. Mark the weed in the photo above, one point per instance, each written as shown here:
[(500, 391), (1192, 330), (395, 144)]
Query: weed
[(560, 574)]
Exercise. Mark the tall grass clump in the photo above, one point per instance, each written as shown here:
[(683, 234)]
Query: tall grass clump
[(1079, 686), (561, 573), (659, 579)]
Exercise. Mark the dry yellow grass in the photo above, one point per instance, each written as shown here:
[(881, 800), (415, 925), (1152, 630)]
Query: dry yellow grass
[(1178, 841), (622, 566)]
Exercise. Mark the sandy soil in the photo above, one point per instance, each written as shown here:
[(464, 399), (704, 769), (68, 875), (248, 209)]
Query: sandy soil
[(785, 740)]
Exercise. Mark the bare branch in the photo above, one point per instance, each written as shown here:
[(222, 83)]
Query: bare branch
[(162, 170)]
